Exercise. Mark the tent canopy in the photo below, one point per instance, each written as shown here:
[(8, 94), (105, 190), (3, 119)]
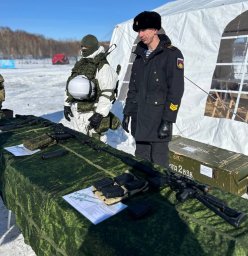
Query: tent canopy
[(213, 37)]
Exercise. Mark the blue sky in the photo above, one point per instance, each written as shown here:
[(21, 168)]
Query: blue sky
[(71, 19)]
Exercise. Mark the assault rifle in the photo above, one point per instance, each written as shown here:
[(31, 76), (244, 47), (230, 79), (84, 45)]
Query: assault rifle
[(184, 187)]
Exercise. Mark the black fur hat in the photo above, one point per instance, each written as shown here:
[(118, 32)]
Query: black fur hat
[(146, 20)]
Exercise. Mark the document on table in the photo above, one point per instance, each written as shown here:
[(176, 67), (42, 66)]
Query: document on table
[(20, 150), (91, 207)]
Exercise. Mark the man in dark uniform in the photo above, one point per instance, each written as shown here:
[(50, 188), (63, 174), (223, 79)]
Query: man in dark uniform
[(155, 90)]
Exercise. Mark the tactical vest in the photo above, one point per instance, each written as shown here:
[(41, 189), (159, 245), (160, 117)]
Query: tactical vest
[(88, 68)]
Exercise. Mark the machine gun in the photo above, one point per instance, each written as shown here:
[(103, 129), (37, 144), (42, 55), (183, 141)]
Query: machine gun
[(184, 187)]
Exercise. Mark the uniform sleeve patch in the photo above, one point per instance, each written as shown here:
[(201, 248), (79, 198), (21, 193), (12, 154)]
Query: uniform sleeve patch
[(180, 63), (173, 107)]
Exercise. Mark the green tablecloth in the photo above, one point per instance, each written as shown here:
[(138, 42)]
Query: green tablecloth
[(33, 188)]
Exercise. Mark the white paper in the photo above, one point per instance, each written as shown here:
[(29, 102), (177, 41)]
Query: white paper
[(207, 171), (20, 150), (91, 207)]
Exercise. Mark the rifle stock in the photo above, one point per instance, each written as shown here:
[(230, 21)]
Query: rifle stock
[(230, 215)]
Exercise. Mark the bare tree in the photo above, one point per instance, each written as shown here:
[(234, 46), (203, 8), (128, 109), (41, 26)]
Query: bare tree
[(20, 44)]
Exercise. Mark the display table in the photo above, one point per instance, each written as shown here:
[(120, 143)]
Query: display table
[(32, 189)]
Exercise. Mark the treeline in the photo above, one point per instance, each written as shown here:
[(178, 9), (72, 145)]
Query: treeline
[(20, 44)]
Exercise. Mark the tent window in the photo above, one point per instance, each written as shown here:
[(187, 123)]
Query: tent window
[(237, 46), (228, 96)]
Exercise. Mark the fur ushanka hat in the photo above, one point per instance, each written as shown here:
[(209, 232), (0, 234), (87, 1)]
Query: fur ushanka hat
[(146, 20)]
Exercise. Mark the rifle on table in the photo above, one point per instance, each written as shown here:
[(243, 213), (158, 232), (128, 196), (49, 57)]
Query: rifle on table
[(185, 188), (27, 121)]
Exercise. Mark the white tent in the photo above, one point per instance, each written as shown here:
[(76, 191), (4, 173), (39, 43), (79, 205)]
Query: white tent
[(213, 37)]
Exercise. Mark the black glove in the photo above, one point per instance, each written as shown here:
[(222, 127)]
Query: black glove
[(164, 129), (95, 120), (125, 122), (0, 105), (67, 113)]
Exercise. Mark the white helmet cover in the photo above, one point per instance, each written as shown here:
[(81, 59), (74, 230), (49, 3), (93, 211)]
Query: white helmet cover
[(81, 88)]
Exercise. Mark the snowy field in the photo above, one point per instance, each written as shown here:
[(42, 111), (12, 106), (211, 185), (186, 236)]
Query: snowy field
[(37, 88)]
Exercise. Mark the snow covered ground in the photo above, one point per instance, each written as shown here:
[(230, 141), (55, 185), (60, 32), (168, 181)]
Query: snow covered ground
[(37, 88)]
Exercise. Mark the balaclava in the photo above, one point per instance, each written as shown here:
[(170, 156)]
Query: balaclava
[(89, 44)]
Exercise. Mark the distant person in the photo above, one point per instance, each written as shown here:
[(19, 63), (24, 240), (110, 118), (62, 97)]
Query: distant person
[(2, 91), (90, 91), (155, 90)]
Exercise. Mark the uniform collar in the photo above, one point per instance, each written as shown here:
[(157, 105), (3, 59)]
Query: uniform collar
[(141, 47)]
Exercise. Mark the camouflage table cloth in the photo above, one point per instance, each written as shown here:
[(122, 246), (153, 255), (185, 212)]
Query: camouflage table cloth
[(33, 188)]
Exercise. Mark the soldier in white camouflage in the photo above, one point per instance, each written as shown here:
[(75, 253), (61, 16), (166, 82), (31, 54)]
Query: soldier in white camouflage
[(90, 91)]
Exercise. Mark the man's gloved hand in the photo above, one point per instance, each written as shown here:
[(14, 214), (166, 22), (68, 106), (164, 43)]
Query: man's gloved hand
[(0, 105), (68, 113), (125, 122), (95, 120), (165, 129)]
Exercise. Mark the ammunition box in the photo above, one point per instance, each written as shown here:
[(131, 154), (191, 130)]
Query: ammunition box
[(210, 165)]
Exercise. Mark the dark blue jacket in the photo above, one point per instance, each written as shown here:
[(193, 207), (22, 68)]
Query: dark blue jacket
[(155, 89)]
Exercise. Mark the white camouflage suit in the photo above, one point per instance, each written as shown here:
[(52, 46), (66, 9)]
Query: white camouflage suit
[(107, 79)]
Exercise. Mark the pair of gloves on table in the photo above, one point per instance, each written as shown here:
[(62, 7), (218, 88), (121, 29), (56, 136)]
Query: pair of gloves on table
[(164, 130), (95, 119)]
